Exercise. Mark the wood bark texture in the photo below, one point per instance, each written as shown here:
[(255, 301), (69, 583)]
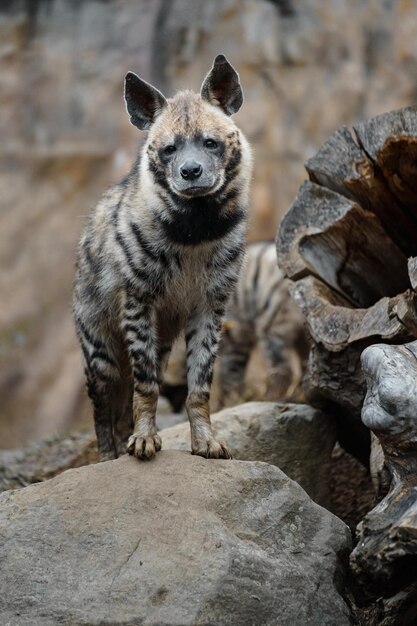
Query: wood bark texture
[(348, 244), (384, 562)]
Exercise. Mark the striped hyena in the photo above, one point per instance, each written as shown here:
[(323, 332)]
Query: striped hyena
[(262, 314), (161, 254)]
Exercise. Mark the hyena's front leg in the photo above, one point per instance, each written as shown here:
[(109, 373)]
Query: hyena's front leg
[(202, 337), (139, 327)]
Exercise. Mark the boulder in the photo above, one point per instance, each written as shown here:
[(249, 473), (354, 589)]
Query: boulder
[(178, 540), (46, 458), (295, 437)]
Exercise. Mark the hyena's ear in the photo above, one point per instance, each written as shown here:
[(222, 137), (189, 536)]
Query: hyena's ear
[(221, 86), (144, 103)]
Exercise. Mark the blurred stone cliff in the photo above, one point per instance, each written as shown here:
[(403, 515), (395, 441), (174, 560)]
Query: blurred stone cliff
[(307, 67)]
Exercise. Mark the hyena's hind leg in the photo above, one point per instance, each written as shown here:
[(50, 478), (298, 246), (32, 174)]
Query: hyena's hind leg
[(100, 392), (123, 413), (285, 368), (235, 349), (280, 374), (103, 381)]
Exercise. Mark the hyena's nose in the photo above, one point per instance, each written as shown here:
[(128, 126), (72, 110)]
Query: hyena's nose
[(190, 170)]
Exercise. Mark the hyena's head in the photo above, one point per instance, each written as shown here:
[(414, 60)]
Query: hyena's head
[(193, 146)]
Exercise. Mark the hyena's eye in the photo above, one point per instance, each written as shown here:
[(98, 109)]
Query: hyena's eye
[(210, 143), (170, 149)]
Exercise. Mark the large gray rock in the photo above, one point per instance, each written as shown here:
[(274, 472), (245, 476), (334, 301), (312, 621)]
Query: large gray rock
[(295, 437), (178, 540)]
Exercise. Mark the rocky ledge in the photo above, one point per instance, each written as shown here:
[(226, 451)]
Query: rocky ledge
[(178, 540)]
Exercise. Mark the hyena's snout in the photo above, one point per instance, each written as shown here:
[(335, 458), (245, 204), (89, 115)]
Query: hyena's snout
[(191, 170), (195, 173), (195, 166)]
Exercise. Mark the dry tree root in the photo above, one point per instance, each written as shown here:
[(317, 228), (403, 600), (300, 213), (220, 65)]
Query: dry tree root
[(384, 562), (344, 245)]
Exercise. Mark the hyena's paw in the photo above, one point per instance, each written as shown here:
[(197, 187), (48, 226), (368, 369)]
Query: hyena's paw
[(144, 447), (213, 449)]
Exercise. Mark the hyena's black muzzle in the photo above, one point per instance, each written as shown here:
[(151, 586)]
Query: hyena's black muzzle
[(191, 170), (196, 166)]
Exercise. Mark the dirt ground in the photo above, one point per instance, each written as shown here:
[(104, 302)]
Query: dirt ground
[(352, 493)]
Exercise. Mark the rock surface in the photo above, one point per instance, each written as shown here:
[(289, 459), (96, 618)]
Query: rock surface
[(295, 437), (179, 540), (46, 458)]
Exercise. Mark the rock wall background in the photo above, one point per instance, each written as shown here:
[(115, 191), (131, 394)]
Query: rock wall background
[(307, 67)]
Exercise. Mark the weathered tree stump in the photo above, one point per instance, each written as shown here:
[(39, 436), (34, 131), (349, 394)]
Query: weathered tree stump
[(345, 245), (384, 561)]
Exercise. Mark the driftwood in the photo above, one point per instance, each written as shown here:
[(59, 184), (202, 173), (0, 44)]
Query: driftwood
[(345, 244), (384, 562), (379, 473)]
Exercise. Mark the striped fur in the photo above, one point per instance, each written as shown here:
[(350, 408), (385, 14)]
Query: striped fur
[(157, 258), (260, 314)]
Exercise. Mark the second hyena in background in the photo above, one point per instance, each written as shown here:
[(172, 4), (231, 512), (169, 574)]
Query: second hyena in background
[(262, 315), (161, 254), (263, 320)]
